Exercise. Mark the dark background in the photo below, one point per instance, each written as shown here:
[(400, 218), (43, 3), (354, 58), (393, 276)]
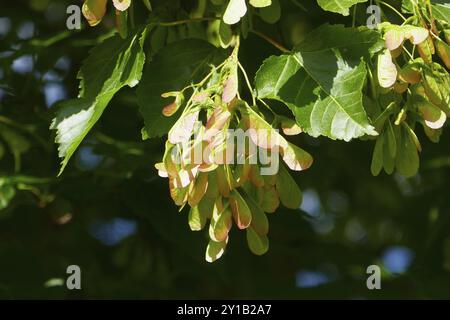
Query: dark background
[(112, 215)]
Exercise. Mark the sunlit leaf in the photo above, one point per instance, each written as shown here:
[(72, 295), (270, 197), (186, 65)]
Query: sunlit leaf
[(322, 83), (339, 6), (111, 65)]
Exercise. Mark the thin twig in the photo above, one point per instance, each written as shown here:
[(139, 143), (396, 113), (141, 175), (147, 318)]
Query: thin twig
[(247, 82), (393, 9), (179, 22), (271, 41)]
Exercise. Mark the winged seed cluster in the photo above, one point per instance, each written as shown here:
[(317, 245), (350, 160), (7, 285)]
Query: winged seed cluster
[(425, 83), (220, 181), (342, 82)]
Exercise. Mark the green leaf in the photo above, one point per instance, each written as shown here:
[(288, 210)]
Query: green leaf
[(441, 12), (407, 6), (322, 83), (338, 6), (111, 65), (173, 68)]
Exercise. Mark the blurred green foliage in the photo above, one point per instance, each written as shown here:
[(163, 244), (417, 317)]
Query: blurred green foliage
[(112, 215)]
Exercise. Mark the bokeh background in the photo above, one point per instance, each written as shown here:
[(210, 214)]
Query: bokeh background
[(112, 215)]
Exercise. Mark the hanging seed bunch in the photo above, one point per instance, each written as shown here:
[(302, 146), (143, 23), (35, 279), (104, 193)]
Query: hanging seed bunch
[(220, 181), (412, 88)]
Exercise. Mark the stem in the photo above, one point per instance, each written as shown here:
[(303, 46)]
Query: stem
[(248, 82), (177, 23), (435, 36), (408, 20), (380, 120), (400, 116), (9, 121), (432, 20), (418, 13), (271, 41), (298, 4), (132, 15), (148, 5), (268, 107), (409, 54), (372, 83), (354, 16), (202, 82), (393, 9)]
